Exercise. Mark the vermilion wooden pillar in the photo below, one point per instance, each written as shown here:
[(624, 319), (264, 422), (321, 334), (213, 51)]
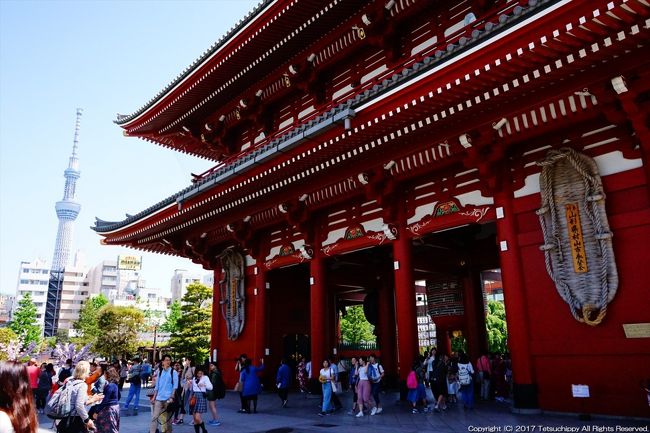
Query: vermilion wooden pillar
[(386, 325), (472, 322), (216, 311), (524, 389), (317, 303), (405, 315), (261, 327)]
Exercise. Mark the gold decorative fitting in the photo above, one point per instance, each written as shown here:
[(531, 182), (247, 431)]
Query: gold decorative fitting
[(287, 80), (361, 33), (237, 114)]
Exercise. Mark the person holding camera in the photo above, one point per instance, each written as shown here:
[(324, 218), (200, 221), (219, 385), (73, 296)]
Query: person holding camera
[(163, 397)]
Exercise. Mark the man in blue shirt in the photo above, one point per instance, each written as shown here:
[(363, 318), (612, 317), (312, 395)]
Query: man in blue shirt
[(166, 384), (283, 380)]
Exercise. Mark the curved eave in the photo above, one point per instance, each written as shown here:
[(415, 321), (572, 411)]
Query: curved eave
[(123, 120), (386, 88), (374, 96)]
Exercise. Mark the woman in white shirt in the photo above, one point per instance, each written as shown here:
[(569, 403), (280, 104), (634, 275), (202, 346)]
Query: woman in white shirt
[(325, 378), (200, 385), (363, 386)]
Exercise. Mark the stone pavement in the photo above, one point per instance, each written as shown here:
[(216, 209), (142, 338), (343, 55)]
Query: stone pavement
[(301, 417)]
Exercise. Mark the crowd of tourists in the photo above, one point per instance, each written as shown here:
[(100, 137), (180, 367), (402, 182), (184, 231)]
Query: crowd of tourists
[(86, 396), (454, 377)]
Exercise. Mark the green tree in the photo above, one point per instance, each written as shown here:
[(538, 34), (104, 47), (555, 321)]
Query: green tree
[(87, 324), (459, 344), (192, 336), (24, 323), (354, 326), (119, 330), (497, 328), (171, 324)]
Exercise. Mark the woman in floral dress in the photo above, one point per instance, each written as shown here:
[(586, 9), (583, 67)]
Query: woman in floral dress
[(302, 375)]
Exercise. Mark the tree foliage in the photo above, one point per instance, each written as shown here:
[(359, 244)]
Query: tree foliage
[(87, 324), (119, 327), (497, 328), (24, 322), (171, 323), (458, 344), (354, 326), (192, 336)]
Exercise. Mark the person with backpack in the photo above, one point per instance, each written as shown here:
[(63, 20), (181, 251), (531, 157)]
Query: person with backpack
[(415, 384), (68, 404), (145, 373), (283, 380), (17, 414), (65, 372), (375, 375), (163, 397), (135, 384), (465, 373), (217, 392)]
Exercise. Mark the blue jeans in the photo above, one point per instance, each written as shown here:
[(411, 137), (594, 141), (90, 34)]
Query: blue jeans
[(134, 391), (327, 397), (375, 388), (467, 394)]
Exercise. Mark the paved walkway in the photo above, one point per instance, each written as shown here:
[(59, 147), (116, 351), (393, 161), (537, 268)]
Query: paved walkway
[(301, 417)]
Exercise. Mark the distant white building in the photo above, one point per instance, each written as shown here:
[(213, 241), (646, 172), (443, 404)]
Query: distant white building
[(33, 278), (208, 280), (76, 291), (6, 305), (181, 279), (117, 279)]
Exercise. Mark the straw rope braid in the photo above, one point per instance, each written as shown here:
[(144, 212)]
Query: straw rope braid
[(552, 240), (232, 292)]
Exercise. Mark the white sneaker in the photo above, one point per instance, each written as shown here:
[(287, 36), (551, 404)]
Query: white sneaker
[(360, 414), (380, 409), (373, 411)]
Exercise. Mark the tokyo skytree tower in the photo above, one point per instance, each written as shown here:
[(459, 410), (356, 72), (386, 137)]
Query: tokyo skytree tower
[(68, 209)]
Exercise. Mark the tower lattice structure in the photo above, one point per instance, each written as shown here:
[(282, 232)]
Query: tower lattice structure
[(67, 210)]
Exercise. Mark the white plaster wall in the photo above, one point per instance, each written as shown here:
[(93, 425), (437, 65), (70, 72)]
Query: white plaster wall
[(609, 163)]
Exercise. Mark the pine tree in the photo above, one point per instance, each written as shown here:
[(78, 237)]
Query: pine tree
[(192, 337), (171, 324), (24, 322)]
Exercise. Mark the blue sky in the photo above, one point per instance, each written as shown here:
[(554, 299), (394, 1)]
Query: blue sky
[(106, 57)]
